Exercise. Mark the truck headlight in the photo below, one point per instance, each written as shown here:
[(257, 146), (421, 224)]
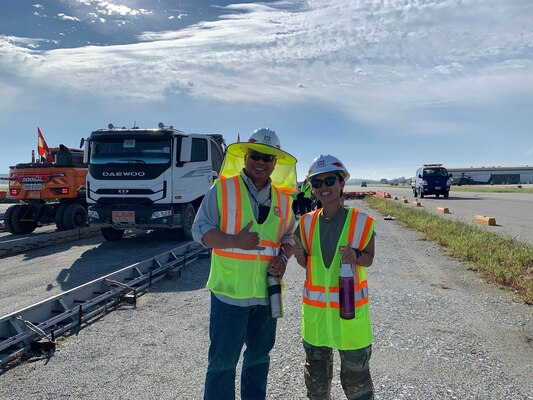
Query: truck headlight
[(424, 182), (93, 214), (161, 214)]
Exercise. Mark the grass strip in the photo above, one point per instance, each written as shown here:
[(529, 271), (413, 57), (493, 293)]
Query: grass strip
[(494, 189), (500, 259)]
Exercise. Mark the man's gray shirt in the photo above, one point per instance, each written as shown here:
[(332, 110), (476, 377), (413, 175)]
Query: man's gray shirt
[(208, 218)]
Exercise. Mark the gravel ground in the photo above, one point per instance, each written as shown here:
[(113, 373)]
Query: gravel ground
[(440, 333)]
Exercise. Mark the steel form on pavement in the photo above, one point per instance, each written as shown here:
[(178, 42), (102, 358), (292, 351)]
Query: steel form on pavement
[(42, 322)]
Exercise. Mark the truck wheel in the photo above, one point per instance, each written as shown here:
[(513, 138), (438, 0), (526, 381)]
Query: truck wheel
[(7, 219), (75, 216), (60, 211), (446, 194), (112, 234), (187, 217), (19, 213)]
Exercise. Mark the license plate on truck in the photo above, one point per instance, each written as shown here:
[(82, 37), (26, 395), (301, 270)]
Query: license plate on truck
[(437, 187), (32, 186), (123, 216)]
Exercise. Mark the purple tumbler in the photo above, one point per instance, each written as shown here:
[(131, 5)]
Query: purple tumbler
[(346, 292)]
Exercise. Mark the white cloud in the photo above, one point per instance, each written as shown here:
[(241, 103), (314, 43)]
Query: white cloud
[(108, 8), (65, 17), (391, 63)]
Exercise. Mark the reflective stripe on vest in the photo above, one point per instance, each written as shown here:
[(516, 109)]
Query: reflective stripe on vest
[(358, 237), (321, 322), (239, 273)]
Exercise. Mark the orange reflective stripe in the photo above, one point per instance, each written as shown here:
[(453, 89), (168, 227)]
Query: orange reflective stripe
[(269, 243), (288, 207), (333, 289), (280, 207), (314, 303), (312, 231), (351, 229), (361, 302), (334, 304), (311, 234), (224, 208), (368, 224), (239, 203), (361, 285), (303, 234), (309, 286), (238, 256)]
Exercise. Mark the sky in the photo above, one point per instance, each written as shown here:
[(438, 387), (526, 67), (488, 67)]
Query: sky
[(384, 85)]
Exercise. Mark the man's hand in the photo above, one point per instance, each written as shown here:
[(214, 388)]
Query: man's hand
[(247, 240), (278, 266)]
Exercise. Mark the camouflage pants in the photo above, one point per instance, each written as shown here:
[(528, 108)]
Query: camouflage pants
[(355, 373)]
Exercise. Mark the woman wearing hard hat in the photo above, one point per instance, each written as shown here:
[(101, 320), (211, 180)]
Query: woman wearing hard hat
[(335, 244), (247, 219)]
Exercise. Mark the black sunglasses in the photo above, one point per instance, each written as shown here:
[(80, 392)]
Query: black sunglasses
[(260, 156), (329, 181)]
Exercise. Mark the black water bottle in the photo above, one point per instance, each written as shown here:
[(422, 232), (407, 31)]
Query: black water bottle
[(274, 296)]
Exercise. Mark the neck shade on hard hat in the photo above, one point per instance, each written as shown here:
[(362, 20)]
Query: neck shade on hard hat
[(263, 141)]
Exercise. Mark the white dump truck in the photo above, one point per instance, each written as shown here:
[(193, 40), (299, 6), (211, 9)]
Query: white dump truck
[(149, 178)]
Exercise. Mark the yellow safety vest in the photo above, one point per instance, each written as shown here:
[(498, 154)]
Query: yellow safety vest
[(321, 321), (238, 273)]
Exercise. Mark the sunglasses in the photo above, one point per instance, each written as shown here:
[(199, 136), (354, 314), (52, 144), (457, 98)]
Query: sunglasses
[(260, 156), (329, 181)]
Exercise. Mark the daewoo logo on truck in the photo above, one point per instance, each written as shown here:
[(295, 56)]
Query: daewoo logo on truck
[(126, 173)]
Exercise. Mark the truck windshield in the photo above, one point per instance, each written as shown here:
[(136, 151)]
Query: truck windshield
[(435, 172), (130, 151)]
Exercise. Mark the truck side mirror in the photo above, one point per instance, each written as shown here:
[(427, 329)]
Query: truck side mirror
[(85, 144), (420, 176), (185, 152), (82, 141), (451, 175)]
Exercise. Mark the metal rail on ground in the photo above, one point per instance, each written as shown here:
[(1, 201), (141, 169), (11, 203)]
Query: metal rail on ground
[(37, 326)]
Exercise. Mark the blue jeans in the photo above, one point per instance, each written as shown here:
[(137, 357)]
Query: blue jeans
[(230, 328)]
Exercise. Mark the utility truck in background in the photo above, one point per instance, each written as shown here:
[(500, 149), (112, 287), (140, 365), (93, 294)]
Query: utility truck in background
[(49, 192), (149, 179)]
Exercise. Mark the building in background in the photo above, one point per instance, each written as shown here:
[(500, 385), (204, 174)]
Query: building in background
[(491, 175)]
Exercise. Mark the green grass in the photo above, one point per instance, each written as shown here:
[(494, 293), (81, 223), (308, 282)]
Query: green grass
[(500, 259), (492, 189)]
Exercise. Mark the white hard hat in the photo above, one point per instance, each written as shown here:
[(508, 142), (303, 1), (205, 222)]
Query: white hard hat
[(262, 140), (327, 163)]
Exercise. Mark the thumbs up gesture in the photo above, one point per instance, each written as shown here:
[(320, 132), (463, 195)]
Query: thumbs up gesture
[(299, 252), (247, 240)]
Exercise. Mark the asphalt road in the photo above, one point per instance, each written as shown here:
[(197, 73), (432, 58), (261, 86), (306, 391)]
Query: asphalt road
[(440, 331), (513, 211)]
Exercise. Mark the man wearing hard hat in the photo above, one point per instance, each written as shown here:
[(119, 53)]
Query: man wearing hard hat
[(335, 244), (247, 219)]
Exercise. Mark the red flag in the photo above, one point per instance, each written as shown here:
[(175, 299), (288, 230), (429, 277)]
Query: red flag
[(42, 147)]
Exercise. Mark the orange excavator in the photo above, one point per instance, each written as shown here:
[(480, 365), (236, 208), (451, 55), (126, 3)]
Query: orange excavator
[(49, 192)]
